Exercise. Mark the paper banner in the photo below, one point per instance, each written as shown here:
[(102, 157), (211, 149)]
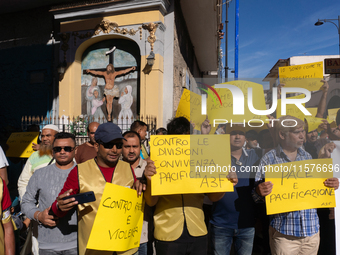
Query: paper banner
[(313, 123), (119, 220), (299, 186), (190, 164), (20, 144), (291, 109), (190, 107), (332, 114), (313, 111), (306, 76), (225, 111)]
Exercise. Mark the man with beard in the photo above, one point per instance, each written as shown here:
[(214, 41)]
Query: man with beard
[(87, 151), (131, 155), (48, 181), (111, 90), (38, 159)]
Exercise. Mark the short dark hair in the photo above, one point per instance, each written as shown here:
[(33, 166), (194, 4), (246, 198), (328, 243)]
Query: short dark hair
[(64, 135), (251, 135), (132, 134), (178, 126), (162, 130), (337, 120), (137, 124)]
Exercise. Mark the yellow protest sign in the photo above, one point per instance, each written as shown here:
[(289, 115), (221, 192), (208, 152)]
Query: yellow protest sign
[(332, 114), (119, 220), (291, 109), (313, 123), (20, 144), (306, 76), (313, 111), (225, 111), (190, 107), (299, 186), (190, 164)]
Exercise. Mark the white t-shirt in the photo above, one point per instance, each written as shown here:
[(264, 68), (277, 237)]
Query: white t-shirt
[(3, 159)]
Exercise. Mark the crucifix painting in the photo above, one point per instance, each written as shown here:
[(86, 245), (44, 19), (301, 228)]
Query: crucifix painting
[(115, 71)]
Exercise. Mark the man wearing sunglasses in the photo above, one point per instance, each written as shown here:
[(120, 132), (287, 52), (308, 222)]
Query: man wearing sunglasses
[(92, 175), (38, 159), (45, 184)]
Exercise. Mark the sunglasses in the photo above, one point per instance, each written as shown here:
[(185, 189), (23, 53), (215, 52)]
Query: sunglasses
[(66, 149), (110, 145)]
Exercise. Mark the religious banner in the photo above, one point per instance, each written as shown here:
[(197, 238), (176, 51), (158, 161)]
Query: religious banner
[(299, 186), (224, 110), (20, 144), (306, 76), (190, 107), (119, 220), (190, 164)]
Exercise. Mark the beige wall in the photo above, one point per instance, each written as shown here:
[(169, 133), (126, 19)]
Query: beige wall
[(151, 90)]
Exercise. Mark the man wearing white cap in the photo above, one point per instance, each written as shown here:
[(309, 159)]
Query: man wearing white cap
[(38, 159)]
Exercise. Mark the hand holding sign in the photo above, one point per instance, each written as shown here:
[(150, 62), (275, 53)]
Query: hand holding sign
[(264, 188)]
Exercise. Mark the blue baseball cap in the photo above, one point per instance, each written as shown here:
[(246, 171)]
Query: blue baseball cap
[(107, 132)]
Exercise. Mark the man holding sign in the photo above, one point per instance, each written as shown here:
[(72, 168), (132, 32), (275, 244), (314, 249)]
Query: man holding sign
[(179, 219), (295, 232), (92, 175)]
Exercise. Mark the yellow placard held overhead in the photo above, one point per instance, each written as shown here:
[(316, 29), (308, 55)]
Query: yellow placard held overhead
[(306, 76), (291, 109), (231, 102), (313, 123), (332, 114), (119, 220), (190, 107), (20, 144), (299, 186), (313, 111), (190, 164)]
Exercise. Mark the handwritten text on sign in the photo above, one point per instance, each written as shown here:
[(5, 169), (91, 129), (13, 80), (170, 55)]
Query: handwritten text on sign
[(306, 76), (190, 164), (119, 220), (190, 107), (225, 111), (299, 186), (20, 144)]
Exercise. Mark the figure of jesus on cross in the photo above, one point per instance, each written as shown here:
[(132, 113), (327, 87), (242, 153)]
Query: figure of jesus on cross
[(110, 90)]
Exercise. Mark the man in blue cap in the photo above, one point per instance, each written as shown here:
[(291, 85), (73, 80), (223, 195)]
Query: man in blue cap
[(92, 175)]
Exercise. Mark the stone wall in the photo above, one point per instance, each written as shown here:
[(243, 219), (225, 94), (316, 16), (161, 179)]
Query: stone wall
[(184, 56)]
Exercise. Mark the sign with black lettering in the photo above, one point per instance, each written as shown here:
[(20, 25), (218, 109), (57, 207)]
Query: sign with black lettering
[(299, 185), (119, 220), (190, 164)]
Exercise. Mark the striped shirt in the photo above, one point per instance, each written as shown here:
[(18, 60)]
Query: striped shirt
[(298, 223)]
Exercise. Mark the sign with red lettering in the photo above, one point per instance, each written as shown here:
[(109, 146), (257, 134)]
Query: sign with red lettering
[(332, 65)]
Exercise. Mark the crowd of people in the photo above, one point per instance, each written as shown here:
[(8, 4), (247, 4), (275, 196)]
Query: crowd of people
[(213, 223)]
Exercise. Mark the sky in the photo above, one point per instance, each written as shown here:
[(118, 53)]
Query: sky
[(270, 30)]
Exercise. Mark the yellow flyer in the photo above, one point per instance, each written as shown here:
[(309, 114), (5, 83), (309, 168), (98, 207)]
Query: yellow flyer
[(299, 186), (20, 144), (190, 164), (119, 220)]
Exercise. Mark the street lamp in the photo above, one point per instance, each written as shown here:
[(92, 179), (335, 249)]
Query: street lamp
[(321, 21)]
